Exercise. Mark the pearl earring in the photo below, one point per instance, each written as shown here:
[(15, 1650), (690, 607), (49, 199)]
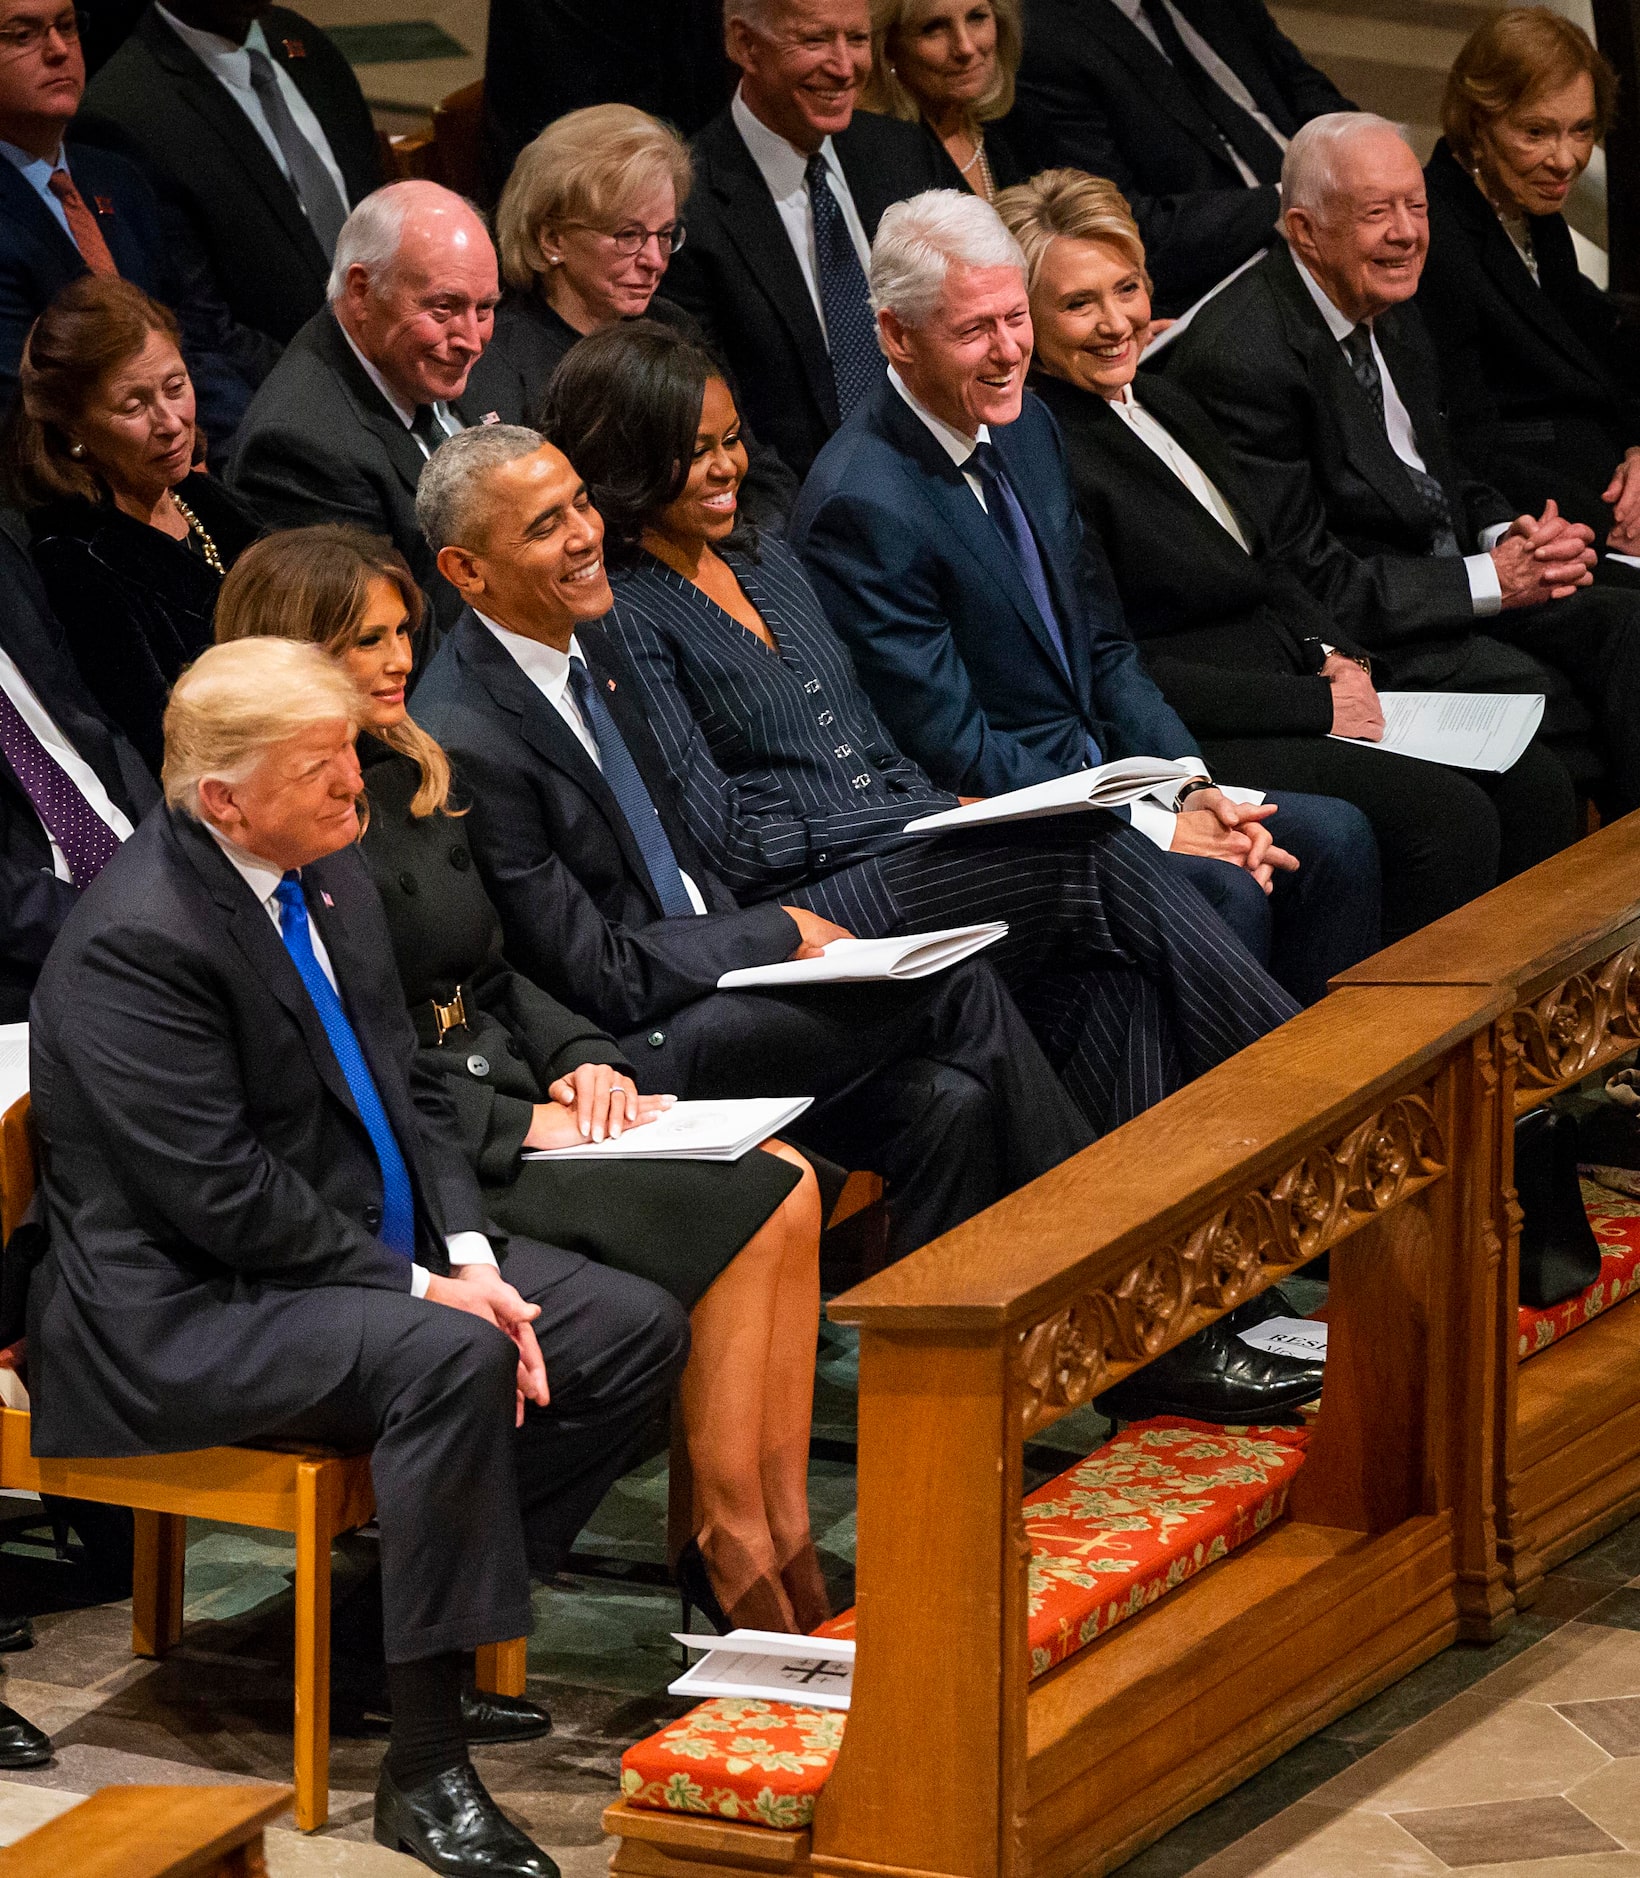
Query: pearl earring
[(76, 449)]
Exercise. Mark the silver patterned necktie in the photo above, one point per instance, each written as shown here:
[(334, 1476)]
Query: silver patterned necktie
[(314, 186)]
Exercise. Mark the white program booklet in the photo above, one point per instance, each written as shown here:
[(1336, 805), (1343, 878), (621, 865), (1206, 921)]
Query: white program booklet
[(690, 1131), (13, 1064), (857, 961), (1109, 787), (770, 1665), (1468, 729)]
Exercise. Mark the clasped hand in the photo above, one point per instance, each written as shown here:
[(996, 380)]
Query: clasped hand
[(1623, 492), (481, 1291), (589, 1103), (1232, 831), (1543, 558), (1356, 709)]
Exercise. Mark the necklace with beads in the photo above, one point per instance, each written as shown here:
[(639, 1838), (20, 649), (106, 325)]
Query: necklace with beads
[(987, 183), (207, 547)]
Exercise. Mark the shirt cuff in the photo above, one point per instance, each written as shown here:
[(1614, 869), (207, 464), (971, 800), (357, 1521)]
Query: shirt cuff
[(419, 1277), (1485, 589), (1490, 537), (1154, 822), (470, 1248)]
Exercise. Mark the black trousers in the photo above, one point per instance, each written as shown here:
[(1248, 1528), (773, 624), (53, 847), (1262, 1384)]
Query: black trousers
[(937, 1085), (1132, 982), (468, 1506), (1444, 835)]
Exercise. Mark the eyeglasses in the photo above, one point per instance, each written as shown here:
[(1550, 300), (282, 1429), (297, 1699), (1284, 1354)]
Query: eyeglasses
[(630, 241), (22, 36)]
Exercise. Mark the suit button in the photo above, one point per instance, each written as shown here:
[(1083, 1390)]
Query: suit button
[(373, 1218), (821, 859), (460, 860), (478, 1065), (407, 883), (656, 1039)]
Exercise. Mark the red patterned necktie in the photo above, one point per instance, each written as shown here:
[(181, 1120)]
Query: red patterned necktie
[(82, 224)]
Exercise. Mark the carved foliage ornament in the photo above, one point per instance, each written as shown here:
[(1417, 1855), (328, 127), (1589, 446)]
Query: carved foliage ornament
[(1094, 1341), (1593, 1016)]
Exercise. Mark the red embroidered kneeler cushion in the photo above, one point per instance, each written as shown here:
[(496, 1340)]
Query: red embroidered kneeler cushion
[(1135, 1519), (1616, 1221)]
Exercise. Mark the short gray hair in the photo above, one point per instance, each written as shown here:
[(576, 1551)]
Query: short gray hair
[(921, 239), (373, 234), (445, 495), (1310, 171), (758, 14)]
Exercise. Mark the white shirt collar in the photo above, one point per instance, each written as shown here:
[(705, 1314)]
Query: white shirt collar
[(262, 877), (783, 166), (956, 444), (405, 413), (1340, 325), (544, 666), (215, 50)]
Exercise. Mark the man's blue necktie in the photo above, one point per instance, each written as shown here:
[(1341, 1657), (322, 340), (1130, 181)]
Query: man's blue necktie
[(398, 1230), (631, 796), (1014, 527), (851, 328)]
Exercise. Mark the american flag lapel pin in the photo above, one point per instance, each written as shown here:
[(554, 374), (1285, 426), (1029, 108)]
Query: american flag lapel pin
[(490, 417), (327, 899), (105, 204), (610, 682), (294, 49)]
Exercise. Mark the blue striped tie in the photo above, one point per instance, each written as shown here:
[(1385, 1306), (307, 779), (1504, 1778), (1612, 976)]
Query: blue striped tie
[(398, 1231)]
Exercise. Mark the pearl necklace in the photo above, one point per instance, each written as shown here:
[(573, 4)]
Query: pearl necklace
[(207, 547)]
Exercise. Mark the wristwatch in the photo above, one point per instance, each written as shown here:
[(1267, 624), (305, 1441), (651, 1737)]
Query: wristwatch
[(1189, 789), (1317, 652)]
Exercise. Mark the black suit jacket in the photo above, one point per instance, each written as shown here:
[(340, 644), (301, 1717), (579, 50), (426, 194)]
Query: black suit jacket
[(321, 444), (931, 604), (33, 902), (1541, 378), (37, 260), (1103, 99), (1220, 628), (579, 913), (1262, 363), (207, 157), (211, 1192), (738, 276)]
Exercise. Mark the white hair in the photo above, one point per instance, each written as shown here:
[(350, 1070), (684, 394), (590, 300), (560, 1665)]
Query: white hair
[(450, 477), (1310, 171), (758, 14), (921, 239), (373, 234)]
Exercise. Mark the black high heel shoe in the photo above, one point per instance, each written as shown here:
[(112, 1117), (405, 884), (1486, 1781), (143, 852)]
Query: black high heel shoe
[(695, 1590)]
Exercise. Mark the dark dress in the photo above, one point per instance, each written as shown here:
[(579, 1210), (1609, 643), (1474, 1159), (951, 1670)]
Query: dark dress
[(136, 604), (1542, 378), (532, 338), (677, 1223), (1008, 149)]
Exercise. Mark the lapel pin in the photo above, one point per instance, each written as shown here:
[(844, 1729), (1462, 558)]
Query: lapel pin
[(327, 899), (490, 417), (105, 204), (610, 682), (294, 49)]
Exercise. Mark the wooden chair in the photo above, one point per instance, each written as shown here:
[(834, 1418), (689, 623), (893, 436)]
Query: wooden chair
[(312, 1493), (152, 1832), (451, 150)]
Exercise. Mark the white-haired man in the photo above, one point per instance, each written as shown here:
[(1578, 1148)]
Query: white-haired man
[(790, 185), (1322, 376), (262, 1228), (376, 380)]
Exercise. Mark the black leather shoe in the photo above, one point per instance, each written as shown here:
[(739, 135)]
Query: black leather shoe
[(486, 1720), (16, 1633), (21, 1743), (452, 1825), (1215, 1377)]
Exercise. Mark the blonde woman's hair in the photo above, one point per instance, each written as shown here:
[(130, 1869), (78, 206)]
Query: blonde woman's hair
[(236, 703), (885, 93), (584, 167), (312, 585), (1074, 206)]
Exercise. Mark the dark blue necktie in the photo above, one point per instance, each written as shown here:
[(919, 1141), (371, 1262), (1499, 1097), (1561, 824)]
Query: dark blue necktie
[(398, 1231), (631, 797), (851, 329), (1014, 527)]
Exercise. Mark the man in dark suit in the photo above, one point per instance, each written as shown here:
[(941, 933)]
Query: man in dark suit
[(1322, 377), (1187, 106), (605, 902), (68, 207), (224, 1079), (71, 787), (941, 530), (789, 187), (255, 126), (371, 386)]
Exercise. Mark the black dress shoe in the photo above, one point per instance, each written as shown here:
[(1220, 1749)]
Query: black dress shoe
[(21, 1743), (486, 1720), (16, 1633), (1215, 1377), (452, 1825)]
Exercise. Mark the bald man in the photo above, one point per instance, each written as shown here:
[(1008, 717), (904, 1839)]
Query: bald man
[(379, 377)]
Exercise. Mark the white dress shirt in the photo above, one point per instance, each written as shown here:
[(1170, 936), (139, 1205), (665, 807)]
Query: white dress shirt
[(1183, 465), (263, 878), (548, 670), (782, 166), (1215, 68), (1485, 589), (1152, 819), (405, 413), (58, 747), (230, 66), (36, 172)]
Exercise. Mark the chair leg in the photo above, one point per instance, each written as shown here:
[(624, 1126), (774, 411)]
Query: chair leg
[(499, 1668), (156, 1585), (312, 1645)]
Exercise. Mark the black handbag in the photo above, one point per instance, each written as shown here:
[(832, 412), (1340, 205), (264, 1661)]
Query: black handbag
[(1559, 1254)]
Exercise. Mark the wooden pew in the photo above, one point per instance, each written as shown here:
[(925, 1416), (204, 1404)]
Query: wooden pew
[(1560, 946), (1354, 1130), (152, 1832)]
